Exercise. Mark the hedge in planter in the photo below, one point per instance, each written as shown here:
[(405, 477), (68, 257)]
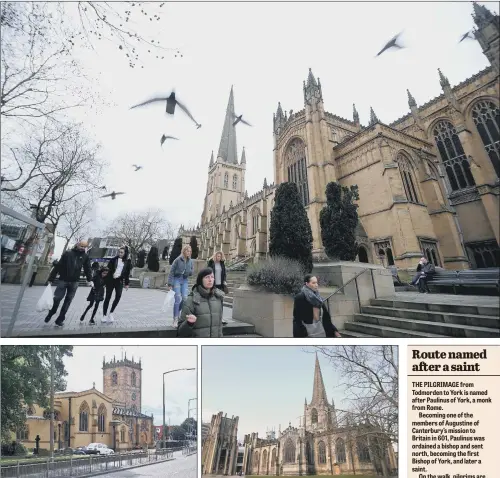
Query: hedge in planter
[(290, 233), (176, 250), (338, 221), (194, 247), (279, 275), (153, 260)]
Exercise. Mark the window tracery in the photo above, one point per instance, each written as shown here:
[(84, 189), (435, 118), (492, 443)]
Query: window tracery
[(486, 117), (295, 159), (408, 177)]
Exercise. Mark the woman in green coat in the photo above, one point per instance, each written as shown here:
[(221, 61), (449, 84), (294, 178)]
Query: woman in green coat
[(202, 311)]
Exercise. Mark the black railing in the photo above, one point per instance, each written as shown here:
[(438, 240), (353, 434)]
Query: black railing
[(355, 279)]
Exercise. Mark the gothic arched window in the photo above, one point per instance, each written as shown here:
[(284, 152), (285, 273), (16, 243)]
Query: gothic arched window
[(65, 431), (255, 221), (295, 159), (256, 459), (362, 254), (83, 425), (486, 117), (23, 433), (362, 449), (30, 411), (289, 452), (226, 180), (309, 453), (340, 451), (314, 416), (273, 457), (408, 178), (264, 460), (101, 418), (235, 182), (321, 453), (133, 379), (453, 156), (114, 378), (122, 434)]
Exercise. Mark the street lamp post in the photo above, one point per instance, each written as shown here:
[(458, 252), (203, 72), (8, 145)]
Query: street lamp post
[(189, 409), (164, 425)]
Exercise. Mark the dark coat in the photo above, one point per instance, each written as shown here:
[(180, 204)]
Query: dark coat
[(303, 312), (211, 264), (70, 266), (127, 268), (208, 311), (97, 292), (428, 269)]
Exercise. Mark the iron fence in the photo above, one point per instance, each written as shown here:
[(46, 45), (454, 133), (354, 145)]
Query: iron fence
[(80, 465)]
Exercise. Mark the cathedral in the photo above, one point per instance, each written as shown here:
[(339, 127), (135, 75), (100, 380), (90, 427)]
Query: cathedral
[(319, 446), (428, 182), (112, 417)]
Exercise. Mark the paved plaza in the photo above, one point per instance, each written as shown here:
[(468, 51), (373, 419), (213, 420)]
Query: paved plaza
[(139, 311)]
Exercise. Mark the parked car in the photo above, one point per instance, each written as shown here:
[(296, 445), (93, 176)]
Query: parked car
[(98, 449), (81, 450)]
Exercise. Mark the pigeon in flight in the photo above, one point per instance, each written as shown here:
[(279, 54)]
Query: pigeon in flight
[(466, 35), (164, 138), (171, 104), (103, 187), (136, 167), (198, 126), (391, 44), (111, 195), (238, 119)]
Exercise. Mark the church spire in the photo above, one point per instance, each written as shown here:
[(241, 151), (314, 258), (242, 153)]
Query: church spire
[(443, 81), (211, 160), (319, 392), (227, 148), (481, 14), (411, 100), (373, 117), (243, 157)]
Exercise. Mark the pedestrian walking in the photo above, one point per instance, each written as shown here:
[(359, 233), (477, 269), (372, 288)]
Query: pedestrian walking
[(217, 264), (180, 271), (69, 269), (202, 310), (310, 314), (34, 271), (96, 295), (119, 275)]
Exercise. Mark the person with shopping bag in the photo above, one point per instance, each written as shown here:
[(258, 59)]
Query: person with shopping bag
[(69, 269), (96, 295), (202, 310), (180, 270), (310, 314), (217, 264)]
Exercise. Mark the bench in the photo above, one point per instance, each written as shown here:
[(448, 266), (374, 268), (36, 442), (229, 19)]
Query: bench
[(466, 278)]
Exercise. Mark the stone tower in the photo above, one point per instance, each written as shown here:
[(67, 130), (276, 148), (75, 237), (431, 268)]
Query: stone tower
[(487, 33), (319, 414), (226, 176), (122, 381)]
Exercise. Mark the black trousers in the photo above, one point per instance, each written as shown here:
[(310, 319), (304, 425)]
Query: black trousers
[(32, 279), (96, 306), (422, 285), (113, 285), (66, 290)]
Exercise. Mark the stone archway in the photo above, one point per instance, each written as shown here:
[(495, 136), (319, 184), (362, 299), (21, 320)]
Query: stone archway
[(362, 254)]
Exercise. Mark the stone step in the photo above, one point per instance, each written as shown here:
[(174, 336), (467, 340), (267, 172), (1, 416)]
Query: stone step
[(351, 334), (439, 329), (437, 306), (374, 330), (438, 317)]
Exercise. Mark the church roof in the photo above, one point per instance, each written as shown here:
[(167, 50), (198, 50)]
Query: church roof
[(319, 392), (128, 412), (227, 147)]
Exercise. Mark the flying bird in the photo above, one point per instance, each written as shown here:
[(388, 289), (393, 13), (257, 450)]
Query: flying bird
[(164, 138), (391, 44), (171, 104), (103, 187), (466, 35), (198, 126), (111, 195), (136, 167), (238, 119)]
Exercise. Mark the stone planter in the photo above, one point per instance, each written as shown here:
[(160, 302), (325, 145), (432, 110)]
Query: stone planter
[(156, 279)]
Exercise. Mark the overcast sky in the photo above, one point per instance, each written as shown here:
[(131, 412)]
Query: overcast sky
[(265, 50), (264, 385), (85, 368)]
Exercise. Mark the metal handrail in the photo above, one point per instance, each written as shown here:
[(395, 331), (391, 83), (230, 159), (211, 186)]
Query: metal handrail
[(357, 290)]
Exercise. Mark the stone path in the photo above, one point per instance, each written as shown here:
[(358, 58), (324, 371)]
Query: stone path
[(139, 310)]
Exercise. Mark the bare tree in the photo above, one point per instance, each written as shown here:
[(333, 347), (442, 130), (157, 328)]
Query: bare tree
[(75, 221), (371, 381), (39, 77), (140, 229)]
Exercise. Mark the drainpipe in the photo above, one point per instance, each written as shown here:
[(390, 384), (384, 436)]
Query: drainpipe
[(69, 423)]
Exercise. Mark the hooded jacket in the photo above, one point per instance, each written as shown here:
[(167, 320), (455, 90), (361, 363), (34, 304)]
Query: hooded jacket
[(70, 266), (97, 292), (207, 308)]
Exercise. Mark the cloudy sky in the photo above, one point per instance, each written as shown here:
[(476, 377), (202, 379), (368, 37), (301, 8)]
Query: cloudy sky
[(265, 50), (85, 368), (264, 385)]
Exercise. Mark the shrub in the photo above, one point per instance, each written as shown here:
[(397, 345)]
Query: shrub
[(164, 254), (194, 247), (176, 250), (153, 260), (279, 275), (324, 281), (141, 258), (290, 233), (338, 221)]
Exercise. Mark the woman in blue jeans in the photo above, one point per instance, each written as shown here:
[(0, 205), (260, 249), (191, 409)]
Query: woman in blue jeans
[(180, 270)]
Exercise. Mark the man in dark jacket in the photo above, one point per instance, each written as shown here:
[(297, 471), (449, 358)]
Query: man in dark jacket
[(425, 270), (69, 269)]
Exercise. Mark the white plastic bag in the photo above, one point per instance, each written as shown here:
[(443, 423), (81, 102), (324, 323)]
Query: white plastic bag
[(168, 304), (46, 301)]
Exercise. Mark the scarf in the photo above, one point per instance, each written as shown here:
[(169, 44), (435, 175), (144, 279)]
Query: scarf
[(313, 297)]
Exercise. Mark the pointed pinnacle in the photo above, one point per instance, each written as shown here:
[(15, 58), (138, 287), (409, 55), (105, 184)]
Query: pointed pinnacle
[(442, 79), (411, 99), (211, 159), (279, 111), (373, 117), (243, 157), (355, 114), (310, 79)]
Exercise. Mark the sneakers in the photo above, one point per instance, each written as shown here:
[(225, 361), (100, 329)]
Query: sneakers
[(111, 318), (104, 319), (58, 324), (176, 323), (91, 322), (82, 318), (47, 319)]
